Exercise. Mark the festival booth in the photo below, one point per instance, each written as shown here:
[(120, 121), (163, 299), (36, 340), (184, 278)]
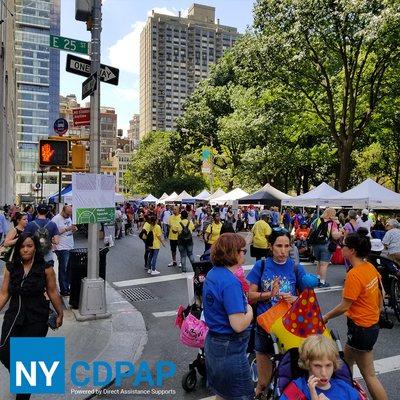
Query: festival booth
[(171, 198), (217, 193), (314, 198), (149, 199), (267, 195), (64, 192), (202, 196), (230, 197), (163, 197), (183, 196), (367, 194)]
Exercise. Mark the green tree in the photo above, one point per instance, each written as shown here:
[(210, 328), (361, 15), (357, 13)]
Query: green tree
[(337, 55)]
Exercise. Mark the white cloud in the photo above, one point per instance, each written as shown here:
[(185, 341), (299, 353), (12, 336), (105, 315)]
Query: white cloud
[(127, 94), (125, 53)]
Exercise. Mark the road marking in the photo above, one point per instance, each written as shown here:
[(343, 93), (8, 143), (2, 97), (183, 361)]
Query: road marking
[(164, 314), (382, 366), (153, 279)]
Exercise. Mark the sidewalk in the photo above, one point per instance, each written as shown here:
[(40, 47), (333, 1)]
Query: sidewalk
[(121, 337)]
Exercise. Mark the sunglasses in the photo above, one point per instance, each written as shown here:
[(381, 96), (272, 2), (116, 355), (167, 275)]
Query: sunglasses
[(244, 251)]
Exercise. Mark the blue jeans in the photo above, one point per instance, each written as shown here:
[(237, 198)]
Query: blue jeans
[(165, 228), (152, 260), (186, 250), (63, 273)]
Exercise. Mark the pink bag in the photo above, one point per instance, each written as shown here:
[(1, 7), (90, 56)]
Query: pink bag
[(193, 332)]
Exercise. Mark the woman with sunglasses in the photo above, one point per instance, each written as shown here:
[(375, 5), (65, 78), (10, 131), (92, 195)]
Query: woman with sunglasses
[(228, 317), (361, 302), (272, 279)]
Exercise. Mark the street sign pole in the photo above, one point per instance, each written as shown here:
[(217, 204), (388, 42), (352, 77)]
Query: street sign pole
[(93, 301)]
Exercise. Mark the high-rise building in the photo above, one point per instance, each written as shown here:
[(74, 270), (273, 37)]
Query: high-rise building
[(38, 84), (133, 131), (108, 133), (7, 103), (175, 55)]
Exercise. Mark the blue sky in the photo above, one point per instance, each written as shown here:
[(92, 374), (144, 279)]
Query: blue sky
[(122, 22)]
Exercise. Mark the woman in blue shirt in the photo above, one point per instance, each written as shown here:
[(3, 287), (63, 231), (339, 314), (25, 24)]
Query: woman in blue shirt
[(228, 317), (270, 280)]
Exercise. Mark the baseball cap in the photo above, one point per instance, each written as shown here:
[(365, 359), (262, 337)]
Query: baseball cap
[(377, 245), (365, 211)]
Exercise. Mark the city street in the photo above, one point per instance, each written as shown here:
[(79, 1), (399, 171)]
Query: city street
[(125, 271)]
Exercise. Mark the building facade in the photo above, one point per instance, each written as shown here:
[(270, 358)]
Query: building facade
[(121, 161), (38, 85), (7, 103), (134, 130), (175, 55)]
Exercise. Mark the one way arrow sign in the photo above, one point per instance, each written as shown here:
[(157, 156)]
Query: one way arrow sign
[(89, 85), (81, 66)]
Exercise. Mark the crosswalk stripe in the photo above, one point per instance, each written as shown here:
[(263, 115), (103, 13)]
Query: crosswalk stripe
[(153, 279), (164, 314)]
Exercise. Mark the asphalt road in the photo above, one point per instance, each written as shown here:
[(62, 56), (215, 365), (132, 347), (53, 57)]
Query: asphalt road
[(125, 263)]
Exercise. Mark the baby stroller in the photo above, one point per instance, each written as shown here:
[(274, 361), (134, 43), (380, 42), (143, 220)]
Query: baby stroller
[(200, 268), (287, 369), (305, 252)]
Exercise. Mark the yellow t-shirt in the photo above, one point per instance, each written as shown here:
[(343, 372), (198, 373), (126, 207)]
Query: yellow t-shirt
[(147, 227), (215, 230), (260, 230), (184, 223), (174, 225), (157, 232)]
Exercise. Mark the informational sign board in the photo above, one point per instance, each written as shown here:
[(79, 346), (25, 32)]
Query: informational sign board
[(60, 126), (89, 86), (81, 116), (68, 44), (93, 198)]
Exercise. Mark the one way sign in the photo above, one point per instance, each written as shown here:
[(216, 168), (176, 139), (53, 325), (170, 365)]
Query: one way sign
[(81, 66)]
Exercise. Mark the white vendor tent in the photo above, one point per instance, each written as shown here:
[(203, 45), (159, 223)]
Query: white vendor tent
[(367, 194), (171, 198), (204, 195), (150, 199), (183, 195), (315, 197), (229, 197), (217, 193), (163, 197)]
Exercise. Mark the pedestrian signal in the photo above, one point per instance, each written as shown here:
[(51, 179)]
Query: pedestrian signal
[(53, 152)]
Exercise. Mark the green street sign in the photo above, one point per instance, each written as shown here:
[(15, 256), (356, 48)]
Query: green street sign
[(67, 44)]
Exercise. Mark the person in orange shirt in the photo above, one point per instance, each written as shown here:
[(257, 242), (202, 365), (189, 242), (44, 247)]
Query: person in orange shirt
[(361, 302), (302, 232)]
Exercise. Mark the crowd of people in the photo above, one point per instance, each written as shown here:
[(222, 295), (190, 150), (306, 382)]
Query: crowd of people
[(231, 301)]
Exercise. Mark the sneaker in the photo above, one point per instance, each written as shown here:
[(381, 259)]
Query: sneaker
[(155, 272), (180, 265), (149, 271), (173, 264), (324, 285)]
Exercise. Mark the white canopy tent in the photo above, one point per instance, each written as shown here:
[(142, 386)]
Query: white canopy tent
[(315, 197), (183, 195), (202, 196), (217, 193), (229, 197), (164, 196), (171, 198), (150, 199), (367, 194)]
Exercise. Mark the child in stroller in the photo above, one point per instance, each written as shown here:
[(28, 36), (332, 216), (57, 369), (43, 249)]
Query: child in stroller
[(314, 372), (301, 235)]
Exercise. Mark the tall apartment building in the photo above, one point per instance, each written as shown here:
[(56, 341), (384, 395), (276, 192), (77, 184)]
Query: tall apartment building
[(7, 103), (175, 55), (38, 84), (133, 131), (108, 133)]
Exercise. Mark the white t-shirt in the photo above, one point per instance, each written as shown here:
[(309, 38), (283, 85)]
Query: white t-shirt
[(392, 240), (66, 238), (365, 224), (166, 216)]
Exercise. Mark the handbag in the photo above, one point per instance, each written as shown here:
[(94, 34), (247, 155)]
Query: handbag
[(6, 252), (193, 332)]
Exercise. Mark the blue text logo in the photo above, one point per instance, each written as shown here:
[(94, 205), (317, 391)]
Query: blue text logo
[(37, 365)]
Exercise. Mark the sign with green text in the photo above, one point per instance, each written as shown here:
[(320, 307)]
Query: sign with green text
[(68, 44), (93, 198)]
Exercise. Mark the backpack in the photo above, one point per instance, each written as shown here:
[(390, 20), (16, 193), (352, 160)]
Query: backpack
[(318, 234), (185, 235), (149, 241), (43, 235)]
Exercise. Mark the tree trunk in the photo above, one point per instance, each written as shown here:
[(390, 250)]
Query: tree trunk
[(306, 179), (344, 168)]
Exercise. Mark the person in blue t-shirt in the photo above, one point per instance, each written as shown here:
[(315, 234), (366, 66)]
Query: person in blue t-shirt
[(320, 357), (277, 277), (228, 317)]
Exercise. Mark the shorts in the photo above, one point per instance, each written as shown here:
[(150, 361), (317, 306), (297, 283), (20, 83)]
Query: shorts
[(361, 338), (174, 245), (227, 352), (321, 252), (258, 253), (263, 342)]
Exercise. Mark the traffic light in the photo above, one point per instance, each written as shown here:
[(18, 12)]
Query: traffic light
[(53, 152), (78, 155)]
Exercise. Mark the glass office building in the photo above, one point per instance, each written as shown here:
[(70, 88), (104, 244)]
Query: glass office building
[(38, 84)]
